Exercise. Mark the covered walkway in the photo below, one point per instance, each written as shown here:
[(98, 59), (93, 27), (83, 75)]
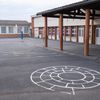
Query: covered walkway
[(87, 9), (76, 49)]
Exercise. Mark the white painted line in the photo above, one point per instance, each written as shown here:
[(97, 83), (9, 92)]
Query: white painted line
[(65, 92), (73, 91), (66, 85), (63, 70), (71, 69), (52, 87), (40, 56), (83, 86)]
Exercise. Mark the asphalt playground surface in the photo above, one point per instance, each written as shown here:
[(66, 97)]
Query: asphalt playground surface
[(29, 71)]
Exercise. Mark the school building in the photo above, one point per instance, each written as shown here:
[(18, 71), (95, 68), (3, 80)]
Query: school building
[(12, 28), (76, 22)]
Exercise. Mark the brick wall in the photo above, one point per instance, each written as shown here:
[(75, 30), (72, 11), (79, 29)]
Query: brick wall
[(12, 35)]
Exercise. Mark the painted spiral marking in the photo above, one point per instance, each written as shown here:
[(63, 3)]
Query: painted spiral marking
[(66, 78)]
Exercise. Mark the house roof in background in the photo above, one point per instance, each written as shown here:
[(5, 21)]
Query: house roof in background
[(13, 22)]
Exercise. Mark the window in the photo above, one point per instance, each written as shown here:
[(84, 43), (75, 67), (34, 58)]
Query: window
[(3, 29), (81, 31), (57, 30), (97, 32), (54, 30), (11, 29), (49, 31), (40, 30), (19, 29), (67, 32), (73, 31), (26, 29)]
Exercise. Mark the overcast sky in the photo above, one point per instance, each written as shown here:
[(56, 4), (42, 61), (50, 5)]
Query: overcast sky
[(23, 9)]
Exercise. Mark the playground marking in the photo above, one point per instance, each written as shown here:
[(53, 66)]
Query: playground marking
[(66, 79)]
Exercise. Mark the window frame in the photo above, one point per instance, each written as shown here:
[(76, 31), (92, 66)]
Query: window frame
[(3, 30)]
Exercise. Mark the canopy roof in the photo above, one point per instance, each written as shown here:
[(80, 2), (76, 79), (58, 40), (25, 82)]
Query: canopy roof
[(75, 10)]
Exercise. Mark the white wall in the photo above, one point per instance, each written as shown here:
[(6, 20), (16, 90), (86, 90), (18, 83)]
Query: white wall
[(53, 22), (81, 39), (97, 21), (39, 22), (36, 32), (0, 29), (15, 29), (98, 40), (73, 22)]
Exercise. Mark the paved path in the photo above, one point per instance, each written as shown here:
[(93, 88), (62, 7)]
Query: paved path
[(28, 71)]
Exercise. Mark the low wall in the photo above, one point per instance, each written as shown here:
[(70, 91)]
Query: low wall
[(12, 35)]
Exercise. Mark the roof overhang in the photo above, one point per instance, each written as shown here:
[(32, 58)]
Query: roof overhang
[(75, 10)]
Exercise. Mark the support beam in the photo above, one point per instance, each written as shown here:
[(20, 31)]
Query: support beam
[(77, 34), (69, 17), (55, 33), (45, 32), (43, 35), (52, 33), (93, 39), (32, 25), (87, 22), (84, 35), (38, 33), (61, 31), (64, 33), (70, 33)]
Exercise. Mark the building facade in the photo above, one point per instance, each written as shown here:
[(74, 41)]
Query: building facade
[(12, 28), (71, 28)]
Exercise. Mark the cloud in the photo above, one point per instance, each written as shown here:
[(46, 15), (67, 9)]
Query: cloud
[(23, 9)]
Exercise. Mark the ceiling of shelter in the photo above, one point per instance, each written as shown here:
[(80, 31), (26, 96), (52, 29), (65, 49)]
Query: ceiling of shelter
[(75, 10)]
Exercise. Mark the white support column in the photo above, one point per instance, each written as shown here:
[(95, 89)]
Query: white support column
[(15, 29), (0, 29), (7, 30)]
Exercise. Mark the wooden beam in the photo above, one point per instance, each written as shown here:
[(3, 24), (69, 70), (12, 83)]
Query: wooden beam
[(76, 33), (84, 35), (51, 32), (43, 35), (55, 33), (70, 33), (93, 39), (61, 31), (45, 32), (87, 22), (64, 33), (32, 25), (70, 17)]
